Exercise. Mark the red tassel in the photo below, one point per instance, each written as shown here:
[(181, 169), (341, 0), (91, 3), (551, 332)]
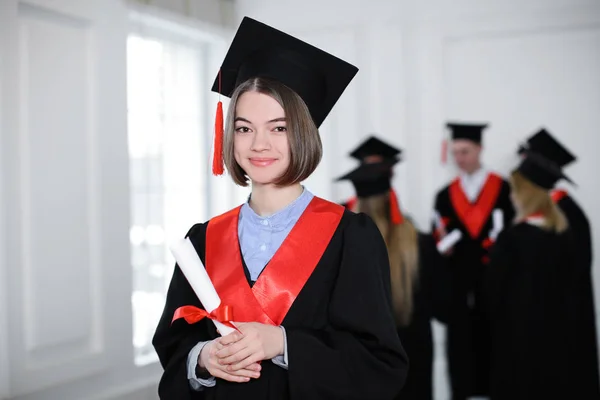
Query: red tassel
[(558, 194), (217, 167), (395, 213), (444, 151)]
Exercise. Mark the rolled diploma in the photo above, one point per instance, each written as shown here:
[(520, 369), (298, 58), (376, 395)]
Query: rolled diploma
[(437, 219), (498, 223), (449, 240), (185, 254)]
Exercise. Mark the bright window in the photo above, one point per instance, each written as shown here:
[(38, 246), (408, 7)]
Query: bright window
[(168, 162)]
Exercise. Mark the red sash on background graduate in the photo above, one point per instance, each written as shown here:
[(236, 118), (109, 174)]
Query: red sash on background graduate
[(395, 213), (473, 216)]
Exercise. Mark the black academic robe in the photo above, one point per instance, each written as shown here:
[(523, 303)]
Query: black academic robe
[(587, 361), (430, 300), (468, 335), (530, 291), (341, 337)]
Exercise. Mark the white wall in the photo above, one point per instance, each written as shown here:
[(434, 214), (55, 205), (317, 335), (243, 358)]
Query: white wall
[(217, 12), (515, 64), (65, 270)]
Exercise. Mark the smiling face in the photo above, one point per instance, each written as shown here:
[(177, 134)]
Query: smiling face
[(261, 146), (270, 136)]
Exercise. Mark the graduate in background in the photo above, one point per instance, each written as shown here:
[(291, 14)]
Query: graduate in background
[(531, 293), (545, 144), (418, 276), (374, 150), (472, 210), (308, 282)]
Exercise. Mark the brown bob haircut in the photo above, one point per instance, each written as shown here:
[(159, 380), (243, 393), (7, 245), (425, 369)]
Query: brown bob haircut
[(303, 135)]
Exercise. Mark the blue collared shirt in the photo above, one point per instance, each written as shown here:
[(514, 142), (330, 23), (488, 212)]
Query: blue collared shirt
[(261, 237)]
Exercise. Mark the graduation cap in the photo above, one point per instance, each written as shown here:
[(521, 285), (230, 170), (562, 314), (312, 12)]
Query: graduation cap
[(374, 147), (543, 143), (259, 50), (541, 171), (466, 131), (371, 179)]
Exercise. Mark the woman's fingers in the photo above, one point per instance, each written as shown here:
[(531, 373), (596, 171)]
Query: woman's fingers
[(231, 338), (243, 364)]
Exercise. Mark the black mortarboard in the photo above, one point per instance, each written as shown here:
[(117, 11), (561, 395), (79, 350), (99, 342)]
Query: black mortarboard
[(374, 147), (371, 179), (466, 131), (541, 171), (259, 50), (543, 143)]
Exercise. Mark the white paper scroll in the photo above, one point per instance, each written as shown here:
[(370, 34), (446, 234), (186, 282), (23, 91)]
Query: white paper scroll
[(497, 223), (437, 220), (185, 254), (449, 240)]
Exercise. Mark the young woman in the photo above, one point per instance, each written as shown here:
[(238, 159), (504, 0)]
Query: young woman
[(420, 286), (530, 293), (586, 364), (372, 150), (308, 282)]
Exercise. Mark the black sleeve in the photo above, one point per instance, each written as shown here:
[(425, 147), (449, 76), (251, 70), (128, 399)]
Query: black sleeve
[(358, 355), (580, 227), (507, 207), (173, 342), (502, 259), (436, 278)]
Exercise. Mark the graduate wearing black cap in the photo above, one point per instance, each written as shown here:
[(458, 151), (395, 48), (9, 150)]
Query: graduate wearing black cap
[(546, 145), (305, 282), (418, 276), (469, 214), (375, 150), (531, 294)]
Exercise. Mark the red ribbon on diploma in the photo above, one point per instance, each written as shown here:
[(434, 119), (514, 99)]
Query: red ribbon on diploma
[(193, 314)]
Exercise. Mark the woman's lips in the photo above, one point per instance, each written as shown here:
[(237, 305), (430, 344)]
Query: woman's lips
[(262, 162)]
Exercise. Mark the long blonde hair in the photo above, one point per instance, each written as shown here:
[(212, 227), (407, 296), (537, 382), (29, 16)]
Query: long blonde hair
[(531, 199), (402, 244)]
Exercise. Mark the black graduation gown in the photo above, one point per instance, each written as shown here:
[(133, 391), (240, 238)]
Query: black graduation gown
[(341, 336), (587, 361), (468, 336), (529, 292), (430, 301)]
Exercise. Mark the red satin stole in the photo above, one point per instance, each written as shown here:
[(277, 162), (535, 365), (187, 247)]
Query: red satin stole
[(474, 215), (277, 287), (351, 204), (558, 194), (395, 212)]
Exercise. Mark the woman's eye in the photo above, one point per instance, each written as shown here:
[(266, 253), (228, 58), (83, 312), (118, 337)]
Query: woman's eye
[(242, 129), (281, 129)]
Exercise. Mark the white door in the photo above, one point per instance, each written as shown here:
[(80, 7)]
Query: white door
[(64, 263)]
